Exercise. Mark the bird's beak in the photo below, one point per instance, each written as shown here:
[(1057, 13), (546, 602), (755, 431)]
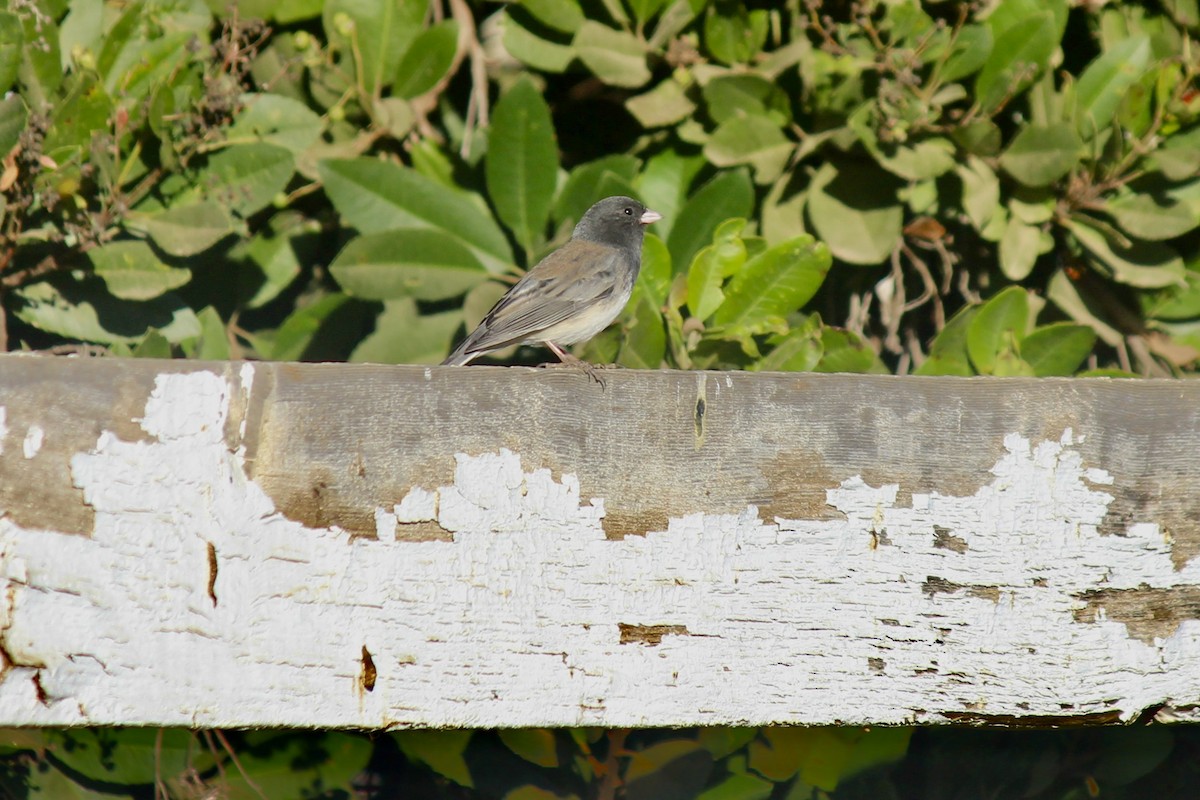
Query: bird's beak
[(649, 216)]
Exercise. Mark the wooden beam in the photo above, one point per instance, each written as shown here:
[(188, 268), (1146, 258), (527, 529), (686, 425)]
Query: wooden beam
[(246, 544)]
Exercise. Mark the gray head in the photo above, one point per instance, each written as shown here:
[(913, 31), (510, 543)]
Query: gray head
[(617, 221)]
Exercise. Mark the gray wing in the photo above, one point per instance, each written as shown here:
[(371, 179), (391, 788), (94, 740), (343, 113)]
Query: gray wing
[(564, 283)]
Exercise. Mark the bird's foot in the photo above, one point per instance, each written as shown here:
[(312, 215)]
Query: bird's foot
[(574, 362)]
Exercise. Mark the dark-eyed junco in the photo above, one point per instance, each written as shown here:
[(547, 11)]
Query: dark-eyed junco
[(573, 293)]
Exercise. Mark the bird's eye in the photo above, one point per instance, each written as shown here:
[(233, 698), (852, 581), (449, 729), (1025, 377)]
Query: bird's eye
[(628, 211)]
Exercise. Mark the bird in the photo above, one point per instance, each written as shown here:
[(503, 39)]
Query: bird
[(573, 293)]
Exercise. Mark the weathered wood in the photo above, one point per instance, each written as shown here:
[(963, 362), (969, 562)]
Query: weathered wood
[(333, 545)]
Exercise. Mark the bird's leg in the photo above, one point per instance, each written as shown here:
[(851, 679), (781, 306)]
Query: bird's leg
[(568, 360)]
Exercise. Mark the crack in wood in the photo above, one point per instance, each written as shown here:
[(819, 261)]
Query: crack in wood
[(980, 719), (212, 572)]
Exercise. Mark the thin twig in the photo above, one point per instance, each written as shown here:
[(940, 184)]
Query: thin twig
[(612, 778)]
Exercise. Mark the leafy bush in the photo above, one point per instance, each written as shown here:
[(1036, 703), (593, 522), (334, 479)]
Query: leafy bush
[(362, 179), (537, 764), (1007, 188)]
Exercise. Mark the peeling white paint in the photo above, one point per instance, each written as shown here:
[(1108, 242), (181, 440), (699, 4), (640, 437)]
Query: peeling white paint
[(246, 380), (32, 445), (517, 620)]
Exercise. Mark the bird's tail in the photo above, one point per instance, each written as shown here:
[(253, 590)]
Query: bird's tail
[(460, 356)]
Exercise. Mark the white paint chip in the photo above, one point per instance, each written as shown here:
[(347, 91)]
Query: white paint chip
[(34, 437)]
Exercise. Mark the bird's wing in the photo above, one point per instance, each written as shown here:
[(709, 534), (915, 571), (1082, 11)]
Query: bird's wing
[(562, 284)]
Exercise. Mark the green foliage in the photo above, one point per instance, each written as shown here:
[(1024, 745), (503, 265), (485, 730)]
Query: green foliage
[(540, 764), (355, 178)]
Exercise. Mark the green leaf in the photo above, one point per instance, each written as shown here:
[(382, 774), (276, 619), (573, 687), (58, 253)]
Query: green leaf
[(1007, 13), (712, 265), (379, 30), (728, 195), (654, 280), (297, 336), (732, 33), (428, 59), (51, 784), (152, 345), (674, 768), (971, 50), (745, 95), (414, 262), (845, 351), (564, 16), (533, 50), (755, 141), (85, 108), (980, 138), (41, 71), (853, 209), (921, 159), (122, 755), (12, 38), (823, 757), (1104, 83), (980, 191), (1179, 156), (184, 230), (665, 104), (536, 745), (948, 352), (440, 750), (131, 271), (1081, 307), (1146, 265), (1019, 55), (917, 159), (1057, 349), (12, 123), (403, 335), (644, 10), (245, 178), (663, 185), (376, 196), (1176, 303), (997, 327), (739, 787), (288, 11), (775, 283), (82, 308), (1019, 249), (799, 350), (522, 163), (276, 120), (531, 792), (1041, 154), (273, 261), (583, 186), (293, 770), (1144, 217), (723, 741), (875, 746), (146, 45), (213, 343), (616, 57)]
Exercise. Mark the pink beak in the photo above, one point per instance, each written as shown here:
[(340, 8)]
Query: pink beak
[(649, 216)]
